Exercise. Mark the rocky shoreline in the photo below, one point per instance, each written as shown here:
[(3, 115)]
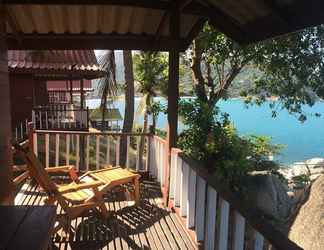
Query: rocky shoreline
[(286, 197)]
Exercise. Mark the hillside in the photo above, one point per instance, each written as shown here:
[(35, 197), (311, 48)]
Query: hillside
[(242, 81)]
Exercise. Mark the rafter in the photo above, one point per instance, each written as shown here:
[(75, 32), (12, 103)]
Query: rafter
[(156, 4), (96, 41)]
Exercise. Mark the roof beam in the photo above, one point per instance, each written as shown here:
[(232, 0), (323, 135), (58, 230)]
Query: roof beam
[(219, 19), (180, 5), (156, 4), (294, 14), (96, 41), (196, 28)]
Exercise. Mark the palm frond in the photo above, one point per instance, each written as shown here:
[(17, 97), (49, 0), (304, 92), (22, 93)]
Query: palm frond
[(142, 105), (107, 84)]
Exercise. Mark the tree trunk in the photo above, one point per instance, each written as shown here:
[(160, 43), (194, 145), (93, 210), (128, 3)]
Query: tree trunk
[(142, 142), (129, 103), (6, 188), (103, 112)]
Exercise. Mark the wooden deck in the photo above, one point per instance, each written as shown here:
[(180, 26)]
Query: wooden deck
[(147, 226)]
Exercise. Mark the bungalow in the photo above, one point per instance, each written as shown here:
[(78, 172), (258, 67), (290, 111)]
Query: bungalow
[(39, 79)]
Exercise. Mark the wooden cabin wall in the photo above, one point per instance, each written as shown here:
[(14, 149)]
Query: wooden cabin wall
[(25, 92)]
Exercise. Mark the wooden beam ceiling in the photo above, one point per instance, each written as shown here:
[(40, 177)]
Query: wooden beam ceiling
[(94, 41), (156, 4), (297, 16)]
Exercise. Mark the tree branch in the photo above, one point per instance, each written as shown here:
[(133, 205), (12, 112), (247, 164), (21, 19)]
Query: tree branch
[(199, 82)]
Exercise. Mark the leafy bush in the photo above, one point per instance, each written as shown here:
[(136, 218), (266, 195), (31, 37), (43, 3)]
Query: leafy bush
[(210, 138)]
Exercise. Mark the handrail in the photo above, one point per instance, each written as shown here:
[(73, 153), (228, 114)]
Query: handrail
[(90, 133), (254, 216)]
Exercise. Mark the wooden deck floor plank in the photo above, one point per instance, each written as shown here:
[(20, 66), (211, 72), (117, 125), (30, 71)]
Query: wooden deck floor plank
[(182, 232), (148, 226), (111, 244), (175, 233), (158, 229), (121, 227), (165, 227)]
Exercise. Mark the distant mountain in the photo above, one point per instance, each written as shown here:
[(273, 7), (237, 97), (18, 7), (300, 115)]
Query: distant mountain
[(241, 82)]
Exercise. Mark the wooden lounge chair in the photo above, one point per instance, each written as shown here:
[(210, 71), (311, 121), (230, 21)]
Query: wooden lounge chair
[(83, 193)]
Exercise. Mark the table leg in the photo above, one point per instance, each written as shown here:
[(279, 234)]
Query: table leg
[(136, 190)]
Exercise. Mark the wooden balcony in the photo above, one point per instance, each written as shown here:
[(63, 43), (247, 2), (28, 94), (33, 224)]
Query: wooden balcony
[(201, 212), (147, 226), (60, 117)]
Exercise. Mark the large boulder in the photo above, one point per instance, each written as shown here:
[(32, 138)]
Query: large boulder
[(313, 168), (269, 194), (307, 229)]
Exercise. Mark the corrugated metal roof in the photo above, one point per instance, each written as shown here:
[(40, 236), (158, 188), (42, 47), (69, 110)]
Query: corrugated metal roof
[(71, 60), (91, 19), (134, 24), (63, 86)]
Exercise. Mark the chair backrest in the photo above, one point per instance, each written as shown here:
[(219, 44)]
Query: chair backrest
[(36, 168)]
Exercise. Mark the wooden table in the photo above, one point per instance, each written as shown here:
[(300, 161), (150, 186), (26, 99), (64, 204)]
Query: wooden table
[(112, 177), (26, 227)]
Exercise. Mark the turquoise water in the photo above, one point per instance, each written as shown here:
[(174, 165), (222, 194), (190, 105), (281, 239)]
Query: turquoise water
[(302, 140)]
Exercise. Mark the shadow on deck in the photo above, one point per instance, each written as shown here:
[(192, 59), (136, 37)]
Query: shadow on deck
[(147, 226)]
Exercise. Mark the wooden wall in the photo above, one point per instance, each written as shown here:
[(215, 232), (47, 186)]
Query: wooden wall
[(25, 92)]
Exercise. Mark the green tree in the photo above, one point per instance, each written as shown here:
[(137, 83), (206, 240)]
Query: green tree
[(151, 73), (290, 68), (129, 103), (107, 84)]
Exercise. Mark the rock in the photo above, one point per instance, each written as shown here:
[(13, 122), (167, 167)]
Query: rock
[(269, 194), (313, 168), (307, 229), (315, 163)]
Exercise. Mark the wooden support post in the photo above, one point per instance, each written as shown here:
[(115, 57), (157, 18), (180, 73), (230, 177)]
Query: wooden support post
[(6, 187), (173, 96), (83, 164), (71, 91), (81, 95)]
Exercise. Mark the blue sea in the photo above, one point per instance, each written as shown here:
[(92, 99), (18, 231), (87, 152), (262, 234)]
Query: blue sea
[(302, 140)]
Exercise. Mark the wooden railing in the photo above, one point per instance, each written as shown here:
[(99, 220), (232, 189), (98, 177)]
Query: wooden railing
[(89, 150), (20, 132), (214, 217), (158, 159), (60, 117)]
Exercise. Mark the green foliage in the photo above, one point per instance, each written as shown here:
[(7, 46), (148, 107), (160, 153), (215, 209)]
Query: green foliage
[(210, 138), (290, 68), (156, 108), (302, 180), (151, 71), (260, 151)]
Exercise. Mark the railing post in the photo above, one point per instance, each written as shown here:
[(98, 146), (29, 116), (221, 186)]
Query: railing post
[(31, 135)]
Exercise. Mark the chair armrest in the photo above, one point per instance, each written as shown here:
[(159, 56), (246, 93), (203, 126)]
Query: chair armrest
[(69, 169), (64, 169), (18, 168), (75, 187), (20, 178)]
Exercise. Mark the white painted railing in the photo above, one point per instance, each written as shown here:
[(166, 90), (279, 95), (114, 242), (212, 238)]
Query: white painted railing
[(21, 131), (60, 117), (92, 150), (213, 216), (158, 157)]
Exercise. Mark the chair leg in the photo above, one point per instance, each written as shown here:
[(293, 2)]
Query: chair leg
[(103, 210)]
